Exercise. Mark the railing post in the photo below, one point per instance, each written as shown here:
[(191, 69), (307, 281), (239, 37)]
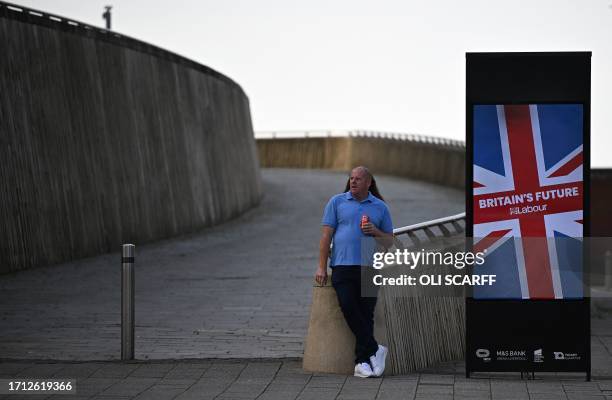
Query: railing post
[(127, 302)]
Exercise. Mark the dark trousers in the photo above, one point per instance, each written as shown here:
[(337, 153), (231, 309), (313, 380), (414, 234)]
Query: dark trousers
[(358, 311)]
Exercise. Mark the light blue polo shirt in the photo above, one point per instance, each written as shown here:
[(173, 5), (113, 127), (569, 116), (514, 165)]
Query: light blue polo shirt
[(343, 213)]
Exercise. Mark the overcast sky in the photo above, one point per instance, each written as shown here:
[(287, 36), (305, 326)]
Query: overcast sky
[(378, 65)]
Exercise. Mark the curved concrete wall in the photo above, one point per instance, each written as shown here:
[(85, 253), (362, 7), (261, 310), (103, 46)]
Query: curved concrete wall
[(433, 162), (107, 140)]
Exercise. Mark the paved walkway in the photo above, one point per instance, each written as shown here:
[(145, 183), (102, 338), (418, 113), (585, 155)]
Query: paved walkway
[(239, 290), (222, 314), (285, 380)]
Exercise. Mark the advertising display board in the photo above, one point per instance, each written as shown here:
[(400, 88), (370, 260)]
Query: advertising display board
[(527, 183), (527, 210)]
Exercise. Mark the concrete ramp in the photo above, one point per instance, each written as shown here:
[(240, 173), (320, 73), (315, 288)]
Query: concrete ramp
[(242, 289)]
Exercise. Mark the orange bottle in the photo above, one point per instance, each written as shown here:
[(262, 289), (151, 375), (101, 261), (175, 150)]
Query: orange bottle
[(364, 220)]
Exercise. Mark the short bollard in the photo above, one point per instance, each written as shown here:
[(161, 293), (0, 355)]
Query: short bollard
[(127, 302)]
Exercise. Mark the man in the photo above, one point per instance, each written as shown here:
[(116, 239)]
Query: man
[(342, 223)]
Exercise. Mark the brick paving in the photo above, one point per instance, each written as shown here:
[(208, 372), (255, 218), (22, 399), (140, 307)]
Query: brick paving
[(284, 379)]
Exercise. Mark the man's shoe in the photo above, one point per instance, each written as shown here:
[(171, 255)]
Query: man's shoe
[(378, 360), (363, 370)]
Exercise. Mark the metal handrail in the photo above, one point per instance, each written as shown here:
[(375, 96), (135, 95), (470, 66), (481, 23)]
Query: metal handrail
[(429, 224), (426, 227), (322, 133)]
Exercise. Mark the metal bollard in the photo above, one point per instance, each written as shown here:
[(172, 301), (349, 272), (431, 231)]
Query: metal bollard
[(127, 302), (608, 269)]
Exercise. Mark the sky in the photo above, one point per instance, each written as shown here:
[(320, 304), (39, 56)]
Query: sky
[(383, 65)]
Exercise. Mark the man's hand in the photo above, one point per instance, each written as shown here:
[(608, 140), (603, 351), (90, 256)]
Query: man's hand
[(370, 229), (321, 276), (383, 238)]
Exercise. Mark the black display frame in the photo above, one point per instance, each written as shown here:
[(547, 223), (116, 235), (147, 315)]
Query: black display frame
[(529, 78)]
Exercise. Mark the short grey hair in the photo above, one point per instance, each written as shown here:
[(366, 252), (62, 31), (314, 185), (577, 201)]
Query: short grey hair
[(364, 169)]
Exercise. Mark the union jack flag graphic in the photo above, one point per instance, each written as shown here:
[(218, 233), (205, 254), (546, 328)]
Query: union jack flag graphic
[(528, 199)]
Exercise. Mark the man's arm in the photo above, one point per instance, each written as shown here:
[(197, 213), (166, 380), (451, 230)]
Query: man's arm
[(327, 232)]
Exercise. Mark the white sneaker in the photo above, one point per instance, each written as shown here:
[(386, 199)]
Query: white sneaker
[(378, 360), (363, 370)]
